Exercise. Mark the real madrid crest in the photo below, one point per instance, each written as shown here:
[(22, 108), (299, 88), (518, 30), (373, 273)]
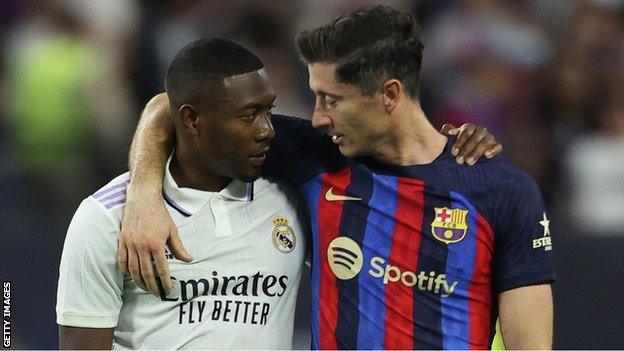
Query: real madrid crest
[(449, 225), (283, 235)]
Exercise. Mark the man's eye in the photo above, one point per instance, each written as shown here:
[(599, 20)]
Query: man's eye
[(331, 102), (249, 117), (263, 112)]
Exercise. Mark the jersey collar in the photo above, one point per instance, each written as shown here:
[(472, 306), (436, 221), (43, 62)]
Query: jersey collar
[(189, 201)]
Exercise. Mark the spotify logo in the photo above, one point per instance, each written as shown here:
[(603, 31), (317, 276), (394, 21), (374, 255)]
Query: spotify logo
[(345, 257)]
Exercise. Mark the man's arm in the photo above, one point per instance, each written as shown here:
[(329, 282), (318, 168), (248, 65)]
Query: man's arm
[(523, 262), (526, 317), (147, 226), (71, 338)]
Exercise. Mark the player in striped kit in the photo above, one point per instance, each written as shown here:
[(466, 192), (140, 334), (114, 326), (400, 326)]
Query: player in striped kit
[(440, 250), (410, 250), (419, 256)]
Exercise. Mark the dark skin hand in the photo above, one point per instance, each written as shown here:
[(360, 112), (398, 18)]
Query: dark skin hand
[(472, 143)]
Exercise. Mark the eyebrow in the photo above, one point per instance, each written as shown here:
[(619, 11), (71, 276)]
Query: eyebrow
[(333, 96), (256, 105)]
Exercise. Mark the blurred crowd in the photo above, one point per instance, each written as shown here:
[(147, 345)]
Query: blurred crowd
[(545, 76)]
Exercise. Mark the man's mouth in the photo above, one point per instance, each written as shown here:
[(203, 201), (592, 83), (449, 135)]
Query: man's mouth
[(337, 138), (258, 159)]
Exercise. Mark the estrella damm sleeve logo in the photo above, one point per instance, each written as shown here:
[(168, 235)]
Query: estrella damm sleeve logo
[(449, 225), (283, 235), (544, 241)]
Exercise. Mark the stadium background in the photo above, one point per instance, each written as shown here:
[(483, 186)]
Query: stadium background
[(546, 77)]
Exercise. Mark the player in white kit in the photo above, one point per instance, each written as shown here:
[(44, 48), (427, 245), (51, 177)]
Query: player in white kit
[(244, 233)]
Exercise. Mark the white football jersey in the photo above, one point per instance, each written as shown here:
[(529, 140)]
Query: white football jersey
[(239, 292)]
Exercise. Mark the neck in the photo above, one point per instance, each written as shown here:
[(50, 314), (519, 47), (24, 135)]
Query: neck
[(411, 140), (186, 173)]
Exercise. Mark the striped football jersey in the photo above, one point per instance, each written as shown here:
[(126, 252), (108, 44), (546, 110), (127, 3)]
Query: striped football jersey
[(411, 256)]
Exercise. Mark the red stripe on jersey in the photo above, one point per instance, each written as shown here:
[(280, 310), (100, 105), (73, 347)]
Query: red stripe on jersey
[(480, 289), (404, 254), (329, 214)]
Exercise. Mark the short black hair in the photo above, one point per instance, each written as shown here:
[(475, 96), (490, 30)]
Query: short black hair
[(201, 66), (369, 45)]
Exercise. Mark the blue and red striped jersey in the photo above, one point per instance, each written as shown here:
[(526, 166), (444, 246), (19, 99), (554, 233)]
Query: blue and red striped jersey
[(411, 257)]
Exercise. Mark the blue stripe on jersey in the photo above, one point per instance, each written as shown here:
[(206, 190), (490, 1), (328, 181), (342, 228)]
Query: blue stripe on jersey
[(459, 267), (377, 242), (431, 260), (310, 193), (352, 224)]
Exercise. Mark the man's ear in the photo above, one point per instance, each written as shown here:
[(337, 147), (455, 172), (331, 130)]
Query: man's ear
[(189, 117), (391, 91)]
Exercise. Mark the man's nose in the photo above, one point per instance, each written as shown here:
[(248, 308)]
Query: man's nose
[(320, 118), (265, 130)]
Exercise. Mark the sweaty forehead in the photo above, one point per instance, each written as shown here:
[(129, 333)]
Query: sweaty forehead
[(321, 74)]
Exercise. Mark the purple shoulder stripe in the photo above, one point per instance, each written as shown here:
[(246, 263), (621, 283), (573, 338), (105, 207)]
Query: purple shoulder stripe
[(107, 190), (111, 196), (114, 203), (116, 194)]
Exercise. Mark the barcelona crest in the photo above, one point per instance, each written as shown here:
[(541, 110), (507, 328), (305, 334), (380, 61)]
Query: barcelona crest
[(449, 225)]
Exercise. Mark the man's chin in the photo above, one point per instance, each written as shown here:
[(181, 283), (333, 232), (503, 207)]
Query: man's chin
[(347, 151), (249, 177)]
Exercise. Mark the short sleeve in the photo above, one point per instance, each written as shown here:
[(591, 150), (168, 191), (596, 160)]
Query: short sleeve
[(90, 284), (523, 244)]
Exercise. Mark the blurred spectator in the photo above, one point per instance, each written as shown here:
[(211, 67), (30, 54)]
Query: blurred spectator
[(9, 13), (482, 64), (595, 167), (68, 126), (50, 122)]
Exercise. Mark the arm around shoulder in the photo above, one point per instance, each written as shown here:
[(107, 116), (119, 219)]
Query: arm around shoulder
[(152, 143), (147, 226)]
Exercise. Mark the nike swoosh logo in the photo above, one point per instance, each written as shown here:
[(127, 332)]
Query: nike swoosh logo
[(330, 196)]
